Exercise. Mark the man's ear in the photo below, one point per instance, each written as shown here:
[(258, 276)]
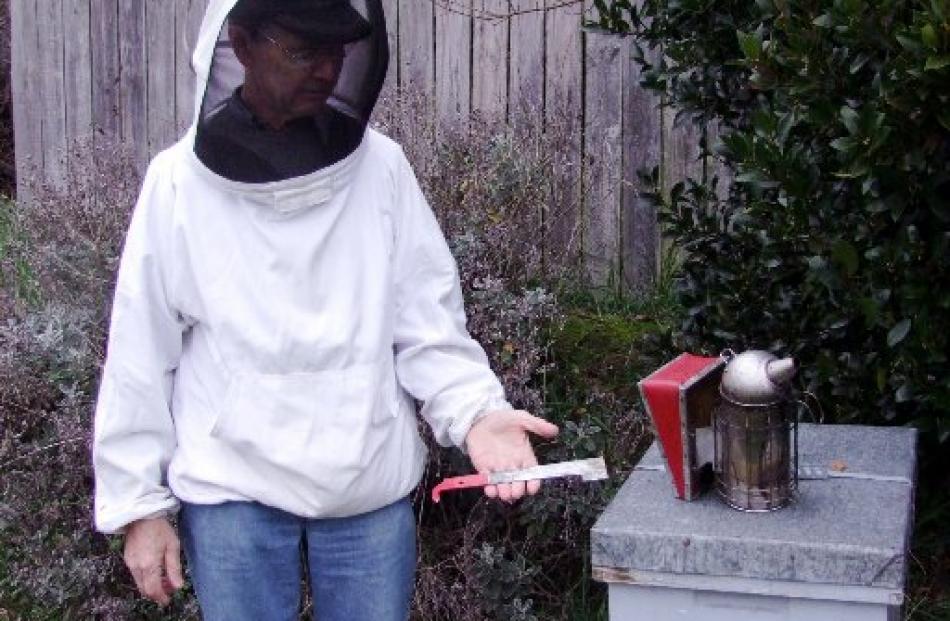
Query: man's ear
[(240, 41)]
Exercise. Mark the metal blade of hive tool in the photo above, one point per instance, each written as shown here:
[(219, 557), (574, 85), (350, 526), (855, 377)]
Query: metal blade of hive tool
[(593, 469)]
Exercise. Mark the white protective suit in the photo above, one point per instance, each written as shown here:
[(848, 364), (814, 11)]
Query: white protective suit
[(268, 339)]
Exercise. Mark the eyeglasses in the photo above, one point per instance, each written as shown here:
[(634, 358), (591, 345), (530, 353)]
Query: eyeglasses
[(310, 56)]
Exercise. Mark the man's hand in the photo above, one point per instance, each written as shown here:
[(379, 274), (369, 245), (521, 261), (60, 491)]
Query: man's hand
[(499, 441), (153, 555)]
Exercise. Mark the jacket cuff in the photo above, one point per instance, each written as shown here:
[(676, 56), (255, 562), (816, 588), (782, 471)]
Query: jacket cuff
[(116, 524), (459, 431)]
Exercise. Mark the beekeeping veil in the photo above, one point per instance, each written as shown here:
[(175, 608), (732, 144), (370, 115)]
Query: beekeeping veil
[(233, 138)]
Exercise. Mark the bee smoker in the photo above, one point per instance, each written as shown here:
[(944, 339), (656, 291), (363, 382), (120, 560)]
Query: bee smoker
[(727, 422), (756, 432)]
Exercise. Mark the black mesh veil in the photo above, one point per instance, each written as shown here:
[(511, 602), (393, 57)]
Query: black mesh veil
[(320, 121)]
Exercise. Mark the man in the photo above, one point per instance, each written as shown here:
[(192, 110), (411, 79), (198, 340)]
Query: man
[(284, 297)]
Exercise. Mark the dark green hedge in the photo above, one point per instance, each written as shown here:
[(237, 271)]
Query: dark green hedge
[(832, 244)]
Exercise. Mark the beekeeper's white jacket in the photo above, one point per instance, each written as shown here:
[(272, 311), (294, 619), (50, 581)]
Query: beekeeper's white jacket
[(267, 340)]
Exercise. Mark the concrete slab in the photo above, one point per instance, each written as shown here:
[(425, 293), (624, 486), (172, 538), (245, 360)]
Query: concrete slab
[(853, 529)]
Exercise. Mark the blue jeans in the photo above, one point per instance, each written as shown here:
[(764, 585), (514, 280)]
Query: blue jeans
[(247, 562)]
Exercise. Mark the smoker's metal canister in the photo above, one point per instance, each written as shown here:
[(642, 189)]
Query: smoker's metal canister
[(755, 432)]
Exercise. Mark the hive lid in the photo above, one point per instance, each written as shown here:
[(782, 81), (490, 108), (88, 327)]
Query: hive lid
[(838, 531)]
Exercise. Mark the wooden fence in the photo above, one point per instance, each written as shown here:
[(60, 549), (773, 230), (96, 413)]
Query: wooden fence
[(120, 70)]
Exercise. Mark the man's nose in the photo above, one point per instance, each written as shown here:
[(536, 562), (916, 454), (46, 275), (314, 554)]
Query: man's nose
[(325, 69)]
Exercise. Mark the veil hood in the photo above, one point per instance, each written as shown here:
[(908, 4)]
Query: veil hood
[(229, 139)]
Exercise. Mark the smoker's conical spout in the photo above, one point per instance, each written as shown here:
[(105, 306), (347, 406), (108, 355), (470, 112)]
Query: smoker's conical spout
[(781, 371)]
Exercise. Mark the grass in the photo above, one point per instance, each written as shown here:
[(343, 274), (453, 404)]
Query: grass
[(15, 273)]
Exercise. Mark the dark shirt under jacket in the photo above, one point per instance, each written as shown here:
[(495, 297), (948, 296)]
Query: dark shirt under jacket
[(237, 146)]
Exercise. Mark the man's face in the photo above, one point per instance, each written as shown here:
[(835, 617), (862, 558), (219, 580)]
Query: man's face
[(286, 76)]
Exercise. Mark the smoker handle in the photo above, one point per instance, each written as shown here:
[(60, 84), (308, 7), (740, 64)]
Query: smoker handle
[(471, 480), (820, 419)]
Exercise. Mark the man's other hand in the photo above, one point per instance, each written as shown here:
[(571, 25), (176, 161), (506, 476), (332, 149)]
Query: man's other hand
[(499, 441), (153, 555)]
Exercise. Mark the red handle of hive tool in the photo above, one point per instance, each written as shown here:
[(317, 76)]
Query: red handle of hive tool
[(447, 485)]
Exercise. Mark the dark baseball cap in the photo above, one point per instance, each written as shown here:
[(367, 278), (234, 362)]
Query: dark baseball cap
[(322, 21)]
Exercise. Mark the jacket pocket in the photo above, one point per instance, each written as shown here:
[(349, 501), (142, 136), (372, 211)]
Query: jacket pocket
[(310, 422)]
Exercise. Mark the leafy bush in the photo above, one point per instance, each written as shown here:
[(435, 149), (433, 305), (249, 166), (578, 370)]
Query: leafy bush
[(832, 244)]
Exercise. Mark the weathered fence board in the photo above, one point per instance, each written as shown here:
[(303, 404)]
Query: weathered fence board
[(490, 58), (526, 73), (188, 14), (391, 12), (78, 75), (680, 149), (160, 52), (453, 28), (717, 167), (603, 156), (642, 149), (25, 91), (526, 77), (563, 58), (133, 78), (104, 34), (563, 74), (416, 47), (49, 23)]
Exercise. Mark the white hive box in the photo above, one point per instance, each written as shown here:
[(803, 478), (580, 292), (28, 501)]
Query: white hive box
[(838, 553)]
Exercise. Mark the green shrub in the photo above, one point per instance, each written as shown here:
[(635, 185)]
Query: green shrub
[(832, 244), (830, 241)]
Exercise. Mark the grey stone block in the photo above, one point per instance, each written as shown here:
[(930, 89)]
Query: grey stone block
[(853, 529)]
